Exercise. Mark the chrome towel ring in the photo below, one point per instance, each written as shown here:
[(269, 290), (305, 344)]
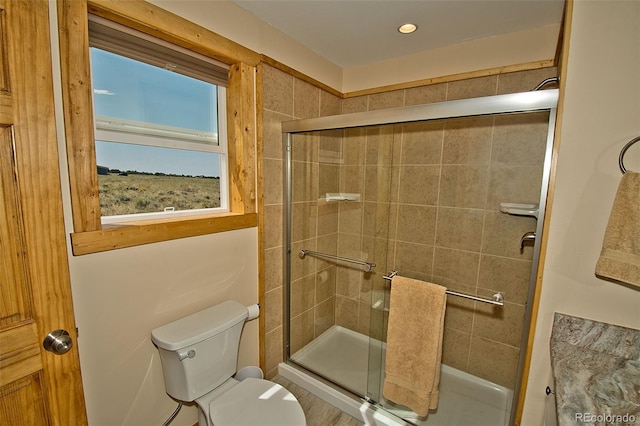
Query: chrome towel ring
[(622, 152)]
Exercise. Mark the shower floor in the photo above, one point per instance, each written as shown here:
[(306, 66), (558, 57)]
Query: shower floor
[(342, 356)]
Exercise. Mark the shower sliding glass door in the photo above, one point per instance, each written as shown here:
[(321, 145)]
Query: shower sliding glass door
[(448, 193), (340, 186), (467, 195)]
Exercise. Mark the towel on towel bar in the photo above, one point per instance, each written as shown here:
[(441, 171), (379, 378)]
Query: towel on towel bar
[(620, 256), (414, 344)]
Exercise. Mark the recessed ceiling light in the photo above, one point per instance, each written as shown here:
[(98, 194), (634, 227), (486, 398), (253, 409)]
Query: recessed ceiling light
[(407, 28)]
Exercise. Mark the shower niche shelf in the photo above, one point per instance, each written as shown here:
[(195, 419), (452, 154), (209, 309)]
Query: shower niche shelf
[(518, 209), (341, 196)]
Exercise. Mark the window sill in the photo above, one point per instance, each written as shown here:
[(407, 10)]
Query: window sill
[(117, 236)]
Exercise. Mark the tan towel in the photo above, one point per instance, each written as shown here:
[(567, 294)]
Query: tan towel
[(414, 344), (620, 256)]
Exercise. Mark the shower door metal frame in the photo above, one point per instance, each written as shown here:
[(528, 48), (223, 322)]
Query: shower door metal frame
[(523, 102)]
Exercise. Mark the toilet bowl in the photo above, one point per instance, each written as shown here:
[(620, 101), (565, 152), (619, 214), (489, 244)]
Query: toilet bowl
[(199, 355)]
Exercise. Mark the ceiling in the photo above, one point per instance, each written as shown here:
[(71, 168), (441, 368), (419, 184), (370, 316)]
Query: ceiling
[(359, 32)]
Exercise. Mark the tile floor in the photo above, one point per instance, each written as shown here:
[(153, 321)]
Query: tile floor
[(317, 411)]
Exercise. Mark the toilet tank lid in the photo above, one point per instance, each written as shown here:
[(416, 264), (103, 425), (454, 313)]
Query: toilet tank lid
[(199, 326)]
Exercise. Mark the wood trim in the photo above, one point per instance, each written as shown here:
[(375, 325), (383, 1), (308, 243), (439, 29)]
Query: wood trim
[(89, 235), (562, 69), (260, 188), (410, 84), (158, 22), (560, 46), (78, 114), (37, 165), (241, 136), (297, 74), (147, 232), (453, 77)]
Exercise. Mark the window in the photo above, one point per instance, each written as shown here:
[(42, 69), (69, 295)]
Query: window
[(237, 78), (160, 137)]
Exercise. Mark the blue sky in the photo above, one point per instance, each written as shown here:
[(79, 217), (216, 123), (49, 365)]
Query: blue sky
[(132, 90)]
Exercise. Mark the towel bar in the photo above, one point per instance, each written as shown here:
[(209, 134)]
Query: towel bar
[(623, 169), (367, 266), (497, 299)]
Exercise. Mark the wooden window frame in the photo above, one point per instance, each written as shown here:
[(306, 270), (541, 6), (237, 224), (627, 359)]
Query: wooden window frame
[(89, 235)]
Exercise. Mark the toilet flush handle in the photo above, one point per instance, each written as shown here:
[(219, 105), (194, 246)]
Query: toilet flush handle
[(190, 354)]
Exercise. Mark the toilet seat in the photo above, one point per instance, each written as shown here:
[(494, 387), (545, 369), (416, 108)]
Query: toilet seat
[(256, 402)]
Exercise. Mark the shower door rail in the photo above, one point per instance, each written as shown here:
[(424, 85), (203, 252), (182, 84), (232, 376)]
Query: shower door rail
[(496, 104), (367, 265)]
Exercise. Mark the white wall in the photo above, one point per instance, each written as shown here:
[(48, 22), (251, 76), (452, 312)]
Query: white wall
[(601, 113), (120, 296)]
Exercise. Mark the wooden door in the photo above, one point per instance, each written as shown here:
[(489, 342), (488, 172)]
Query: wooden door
[(37, 387)]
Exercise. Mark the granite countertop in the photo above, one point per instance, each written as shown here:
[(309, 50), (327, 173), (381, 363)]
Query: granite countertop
[(596, 369)]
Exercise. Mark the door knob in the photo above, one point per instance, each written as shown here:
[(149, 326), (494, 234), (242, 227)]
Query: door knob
[(58, 341)]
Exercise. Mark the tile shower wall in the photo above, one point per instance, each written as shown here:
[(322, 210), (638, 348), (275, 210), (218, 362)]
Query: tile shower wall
[(446, 182), (446, 228), (443, 225), (363, 227), (313, 303)]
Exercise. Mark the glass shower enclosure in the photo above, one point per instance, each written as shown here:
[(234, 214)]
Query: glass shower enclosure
[(451, 193)]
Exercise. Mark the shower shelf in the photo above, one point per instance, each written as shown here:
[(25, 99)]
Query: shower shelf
[(341, 196), (518, 209), (367, 266)]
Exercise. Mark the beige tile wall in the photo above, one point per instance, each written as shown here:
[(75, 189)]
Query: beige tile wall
[(444, 181), (313, 298), (476, 248), (367, 155), (447, 181)]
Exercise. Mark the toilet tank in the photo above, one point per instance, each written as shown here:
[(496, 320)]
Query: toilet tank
[(200, 351)]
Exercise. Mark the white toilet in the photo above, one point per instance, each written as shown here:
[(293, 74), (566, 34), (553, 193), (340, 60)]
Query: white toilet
[(199, 357)]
